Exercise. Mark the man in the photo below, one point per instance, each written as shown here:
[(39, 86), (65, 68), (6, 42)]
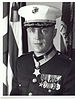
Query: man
[(45, 71)]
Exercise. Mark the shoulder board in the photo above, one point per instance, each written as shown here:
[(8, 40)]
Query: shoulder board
[(63, 56)]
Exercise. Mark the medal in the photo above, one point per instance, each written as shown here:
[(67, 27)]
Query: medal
[(37, 72)]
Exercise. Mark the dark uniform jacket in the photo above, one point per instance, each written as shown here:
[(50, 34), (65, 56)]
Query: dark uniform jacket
[(57, 76)]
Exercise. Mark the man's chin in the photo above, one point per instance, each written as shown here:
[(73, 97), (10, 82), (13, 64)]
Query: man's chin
[(39, 50)]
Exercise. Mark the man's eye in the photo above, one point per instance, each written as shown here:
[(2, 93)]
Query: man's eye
[(44, 30), (31, 29)]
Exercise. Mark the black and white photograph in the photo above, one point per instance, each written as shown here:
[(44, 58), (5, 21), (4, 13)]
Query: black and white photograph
[(37, 55)]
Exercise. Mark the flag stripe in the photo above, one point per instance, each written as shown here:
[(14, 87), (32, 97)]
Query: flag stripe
[(24, 38), (5, 90), (24, 33), (5, 49), (13, 48), (5, 9), (5, 45)]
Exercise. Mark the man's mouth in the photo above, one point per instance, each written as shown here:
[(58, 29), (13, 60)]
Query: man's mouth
[(37, 43)]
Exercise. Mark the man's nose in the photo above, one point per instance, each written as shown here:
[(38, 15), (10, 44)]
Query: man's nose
[(37, 34)]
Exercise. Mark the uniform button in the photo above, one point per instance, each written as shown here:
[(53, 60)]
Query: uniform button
[(20, 85), (30, 94), (58, 53), (34, 80), (49, 90), (70, 58)]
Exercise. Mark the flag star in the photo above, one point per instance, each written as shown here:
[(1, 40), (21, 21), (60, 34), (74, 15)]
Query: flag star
[(36, 72)]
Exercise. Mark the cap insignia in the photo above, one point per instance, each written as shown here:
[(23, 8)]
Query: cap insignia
[(35, 9)]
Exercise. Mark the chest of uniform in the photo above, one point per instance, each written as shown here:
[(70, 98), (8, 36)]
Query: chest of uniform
[(43, 84)]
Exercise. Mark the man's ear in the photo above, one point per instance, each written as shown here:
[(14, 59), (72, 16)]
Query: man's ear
[(54, 34)]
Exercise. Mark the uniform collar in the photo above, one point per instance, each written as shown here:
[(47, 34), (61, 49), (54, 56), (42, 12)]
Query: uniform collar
[(43, 56)]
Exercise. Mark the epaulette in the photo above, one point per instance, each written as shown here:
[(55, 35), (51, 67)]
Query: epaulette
[(63, 56)]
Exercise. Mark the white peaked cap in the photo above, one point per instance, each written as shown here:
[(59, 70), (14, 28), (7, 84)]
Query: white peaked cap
[(39, 13)]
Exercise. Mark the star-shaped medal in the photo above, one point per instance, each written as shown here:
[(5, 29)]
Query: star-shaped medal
[(36, 72)]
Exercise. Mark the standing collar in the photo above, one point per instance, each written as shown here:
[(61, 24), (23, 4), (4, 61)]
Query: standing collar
[(42, 56)]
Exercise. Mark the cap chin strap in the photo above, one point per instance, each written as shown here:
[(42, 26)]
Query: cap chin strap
[(42, 56)]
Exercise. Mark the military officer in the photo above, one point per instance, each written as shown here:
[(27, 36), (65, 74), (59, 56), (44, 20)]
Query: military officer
[(44, 71)]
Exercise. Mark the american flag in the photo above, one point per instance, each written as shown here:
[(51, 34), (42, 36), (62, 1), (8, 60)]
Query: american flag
[(13, 42)]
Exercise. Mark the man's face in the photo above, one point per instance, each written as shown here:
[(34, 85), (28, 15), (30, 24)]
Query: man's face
[(41, 38)]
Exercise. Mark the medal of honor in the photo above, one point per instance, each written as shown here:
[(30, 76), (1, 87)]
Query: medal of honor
[(36, 72)]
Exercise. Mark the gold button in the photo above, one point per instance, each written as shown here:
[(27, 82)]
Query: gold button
[(49, 90), (20, 85), (70, 58), (58, 53), (34, 80), (30, 94)]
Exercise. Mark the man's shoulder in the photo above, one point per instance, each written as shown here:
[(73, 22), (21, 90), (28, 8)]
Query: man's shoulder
[(25, 62), (64, 57), (25, 56), (64, 63)]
